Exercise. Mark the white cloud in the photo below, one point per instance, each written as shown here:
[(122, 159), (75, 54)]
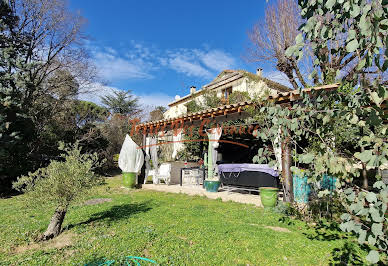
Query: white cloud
[(218, 60), (155, 99), (278, 77), (113, 67), (192, 69), (95, 91), (197, 63), (138, 61)]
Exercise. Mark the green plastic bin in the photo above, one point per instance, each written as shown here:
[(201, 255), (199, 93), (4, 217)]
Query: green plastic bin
[(129, 179)]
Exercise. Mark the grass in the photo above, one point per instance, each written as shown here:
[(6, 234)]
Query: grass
[(168, 228)]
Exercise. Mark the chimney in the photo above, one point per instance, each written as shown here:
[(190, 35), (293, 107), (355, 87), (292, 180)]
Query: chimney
[(192, 89), (259, 72)]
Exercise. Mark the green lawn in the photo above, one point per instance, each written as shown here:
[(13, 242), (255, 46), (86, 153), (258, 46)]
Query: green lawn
[(168, 228)]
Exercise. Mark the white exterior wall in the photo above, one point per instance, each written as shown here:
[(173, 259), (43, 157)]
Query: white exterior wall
[(175, 111), (254, 88)]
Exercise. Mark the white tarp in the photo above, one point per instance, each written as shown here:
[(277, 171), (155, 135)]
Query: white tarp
[(131, 158)]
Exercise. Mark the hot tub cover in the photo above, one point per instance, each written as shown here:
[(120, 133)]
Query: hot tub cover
[(237, 167)]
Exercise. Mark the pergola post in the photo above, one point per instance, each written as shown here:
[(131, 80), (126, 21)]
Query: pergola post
[(288, 195)]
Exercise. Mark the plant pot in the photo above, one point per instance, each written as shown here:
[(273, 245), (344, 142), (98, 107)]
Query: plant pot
[(269, 196), (212, 185), (129, 179)]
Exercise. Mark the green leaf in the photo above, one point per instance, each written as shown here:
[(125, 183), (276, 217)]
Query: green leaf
[(364, 25), (375, 214), (371, 240), (375, 97), (355, 11), (361, 236), (379, 184), (352, 46), (364, 156), (354, 119), (326, 119), (306, 158), (299, 38), (377, 229), (361, 64), (290, 51), (330, 3), (351, 35), (346, 217), (344, 226), (373, 256), (371, 197), (366, 8)]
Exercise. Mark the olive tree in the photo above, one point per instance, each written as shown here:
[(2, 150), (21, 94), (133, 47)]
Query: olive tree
[(60, 184)]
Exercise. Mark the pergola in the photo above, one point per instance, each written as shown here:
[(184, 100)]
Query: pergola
[(232, 112), (228, 111)]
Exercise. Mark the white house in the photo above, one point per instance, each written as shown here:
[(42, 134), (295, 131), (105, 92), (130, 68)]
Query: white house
[(224, 84)]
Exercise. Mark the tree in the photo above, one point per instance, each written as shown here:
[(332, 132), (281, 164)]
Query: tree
[(16, 127), (121, 102), (157, 113), (271, 37), (333, 31), (354, 33), (61, 184), (43, 68)]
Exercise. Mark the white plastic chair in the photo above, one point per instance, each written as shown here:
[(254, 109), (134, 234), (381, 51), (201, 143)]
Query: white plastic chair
[(163, 173)]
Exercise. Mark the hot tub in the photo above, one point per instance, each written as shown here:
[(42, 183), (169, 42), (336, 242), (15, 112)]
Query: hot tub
[(247, 176)]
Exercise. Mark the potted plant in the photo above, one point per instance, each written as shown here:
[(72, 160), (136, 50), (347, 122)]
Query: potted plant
[(130, 161), (212, 182)]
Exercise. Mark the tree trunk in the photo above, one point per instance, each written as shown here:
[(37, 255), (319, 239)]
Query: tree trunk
[(287, 69), (288, 195), (364, 172), (55, 226), (299, 75)]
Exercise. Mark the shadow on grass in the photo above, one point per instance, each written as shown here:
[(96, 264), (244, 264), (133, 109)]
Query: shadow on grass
[(346, 255), (99, 261), (286, 220), (325, 231), (116, 213)]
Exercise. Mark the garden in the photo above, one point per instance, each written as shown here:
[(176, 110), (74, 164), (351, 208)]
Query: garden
[(113, 223), (62, 203)]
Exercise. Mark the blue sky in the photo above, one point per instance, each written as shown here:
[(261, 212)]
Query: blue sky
[(158, 49)]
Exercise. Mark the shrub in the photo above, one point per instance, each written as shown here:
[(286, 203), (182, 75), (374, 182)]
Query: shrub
[(366, 218), (61, 183)]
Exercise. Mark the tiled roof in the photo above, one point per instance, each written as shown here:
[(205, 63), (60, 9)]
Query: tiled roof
[(227, 76), (281, 97)]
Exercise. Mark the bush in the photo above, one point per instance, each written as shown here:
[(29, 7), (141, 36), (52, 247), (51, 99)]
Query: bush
[(61, 183)]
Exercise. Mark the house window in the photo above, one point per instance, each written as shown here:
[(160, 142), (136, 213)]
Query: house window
[(226, 92)]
